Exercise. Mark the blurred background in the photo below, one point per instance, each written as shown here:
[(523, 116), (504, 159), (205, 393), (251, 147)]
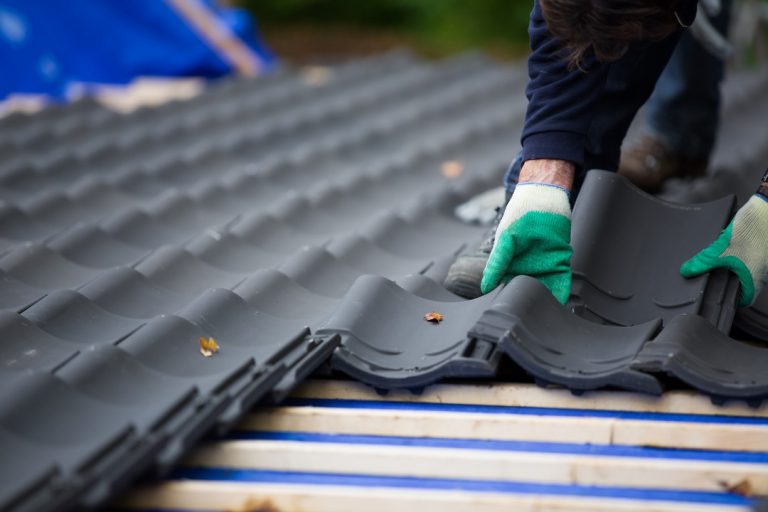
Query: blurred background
[(110, 49), (305, 30)]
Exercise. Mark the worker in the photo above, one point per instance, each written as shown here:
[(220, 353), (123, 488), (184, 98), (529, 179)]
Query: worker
[(593, 65)]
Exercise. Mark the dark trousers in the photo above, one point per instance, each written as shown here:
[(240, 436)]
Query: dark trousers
[(684, 109)]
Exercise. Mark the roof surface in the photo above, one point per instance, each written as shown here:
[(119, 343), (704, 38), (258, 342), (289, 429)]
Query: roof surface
[(300, 222)]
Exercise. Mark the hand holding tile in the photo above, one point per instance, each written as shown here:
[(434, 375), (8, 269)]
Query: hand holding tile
[(741, 248), (533, 239)]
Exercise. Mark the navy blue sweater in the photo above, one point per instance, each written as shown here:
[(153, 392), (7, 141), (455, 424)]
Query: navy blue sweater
[(561, 101)]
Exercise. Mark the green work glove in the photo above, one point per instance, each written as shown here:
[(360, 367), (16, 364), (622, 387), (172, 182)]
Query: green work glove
[(742, 248), (533, 239)]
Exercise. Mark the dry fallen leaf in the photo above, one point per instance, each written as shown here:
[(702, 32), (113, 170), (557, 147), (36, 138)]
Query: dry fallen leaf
[(452, 169), (208, 347), (317, 76), (742, 488), (433, 317), (255, 505)]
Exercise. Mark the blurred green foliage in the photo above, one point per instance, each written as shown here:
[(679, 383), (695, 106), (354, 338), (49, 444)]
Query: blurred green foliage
[(440, 25)]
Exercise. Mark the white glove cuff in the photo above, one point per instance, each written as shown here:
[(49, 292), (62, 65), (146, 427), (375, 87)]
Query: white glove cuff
[(535, 197)]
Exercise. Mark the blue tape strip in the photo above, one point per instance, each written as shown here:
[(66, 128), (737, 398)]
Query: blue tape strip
[(513, 446), (299, 478), (530, 411)]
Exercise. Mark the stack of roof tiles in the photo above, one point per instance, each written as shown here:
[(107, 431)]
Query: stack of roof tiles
[(296, 223)]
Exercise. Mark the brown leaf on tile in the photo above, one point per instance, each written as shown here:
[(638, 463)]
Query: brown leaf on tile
[(255, 505), (317, 76), (452, 169), (433, 317), (208, 346)]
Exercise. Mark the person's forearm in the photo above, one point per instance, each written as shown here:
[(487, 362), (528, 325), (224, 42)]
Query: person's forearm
[(555, 172), (561, 101)]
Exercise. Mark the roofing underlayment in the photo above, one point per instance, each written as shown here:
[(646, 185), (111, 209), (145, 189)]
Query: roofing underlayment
[(168, 272)]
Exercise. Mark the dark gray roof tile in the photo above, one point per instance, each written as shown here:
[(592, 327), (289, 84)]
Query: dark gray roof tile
[(126, 292), (180, 271), (558, 347), (231, 253), (365, 256), (227, 317), (621, 236), (109, 374), (73, 317), (412, 239), (38, 266), (90, 246), (16, 295), (426, 288), (33, 477), (319, 271), (275, 293), (410, 352), (269, 233), (43, 409), (140, 229), (694, 351), (170, 345), (25, 346), (18, 225)]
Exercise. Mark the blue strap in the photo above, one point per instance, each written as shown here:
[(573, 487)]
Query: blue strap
[(480, 486)]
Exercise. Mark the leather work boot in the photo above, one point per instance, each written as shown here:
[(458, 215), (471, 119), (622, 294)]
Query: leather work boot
[(648, 163), (466, 273)]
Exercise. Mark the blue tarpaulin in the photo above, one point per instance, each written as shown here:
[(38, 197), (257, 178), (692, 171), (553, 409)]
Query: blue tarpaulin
[(47, 46)]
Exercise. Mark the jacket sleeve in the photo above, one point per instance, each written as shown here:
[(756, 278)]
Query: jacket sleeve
[(560, 101)]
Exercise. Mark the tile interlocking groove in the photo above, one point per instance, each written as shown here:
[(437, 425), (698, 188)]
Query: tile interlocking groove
[(558, 347), (295, 224), (694, 351)]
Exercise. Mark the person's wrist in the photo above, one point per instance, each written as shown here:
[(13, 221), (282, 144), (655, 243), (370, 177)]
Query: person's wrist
[(559, 173)]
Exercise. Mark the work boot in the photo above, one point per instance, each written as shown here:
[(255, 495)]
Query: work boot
[(466, 273), (648, 163)]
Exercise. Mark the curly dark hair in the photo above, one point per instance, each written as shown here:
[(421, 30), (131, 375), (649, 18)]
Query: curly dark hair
[(607, 27)]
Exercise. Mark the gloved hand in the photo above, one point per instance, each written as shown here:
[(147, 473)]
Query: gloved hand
[(533, 239), (741, 248)]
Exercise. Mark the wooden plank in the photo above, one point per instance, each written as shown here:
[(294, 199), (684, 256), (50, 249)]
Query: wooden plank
[(218, 36), (496, 465), (255, 497), (528, 395), (523, 427)]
